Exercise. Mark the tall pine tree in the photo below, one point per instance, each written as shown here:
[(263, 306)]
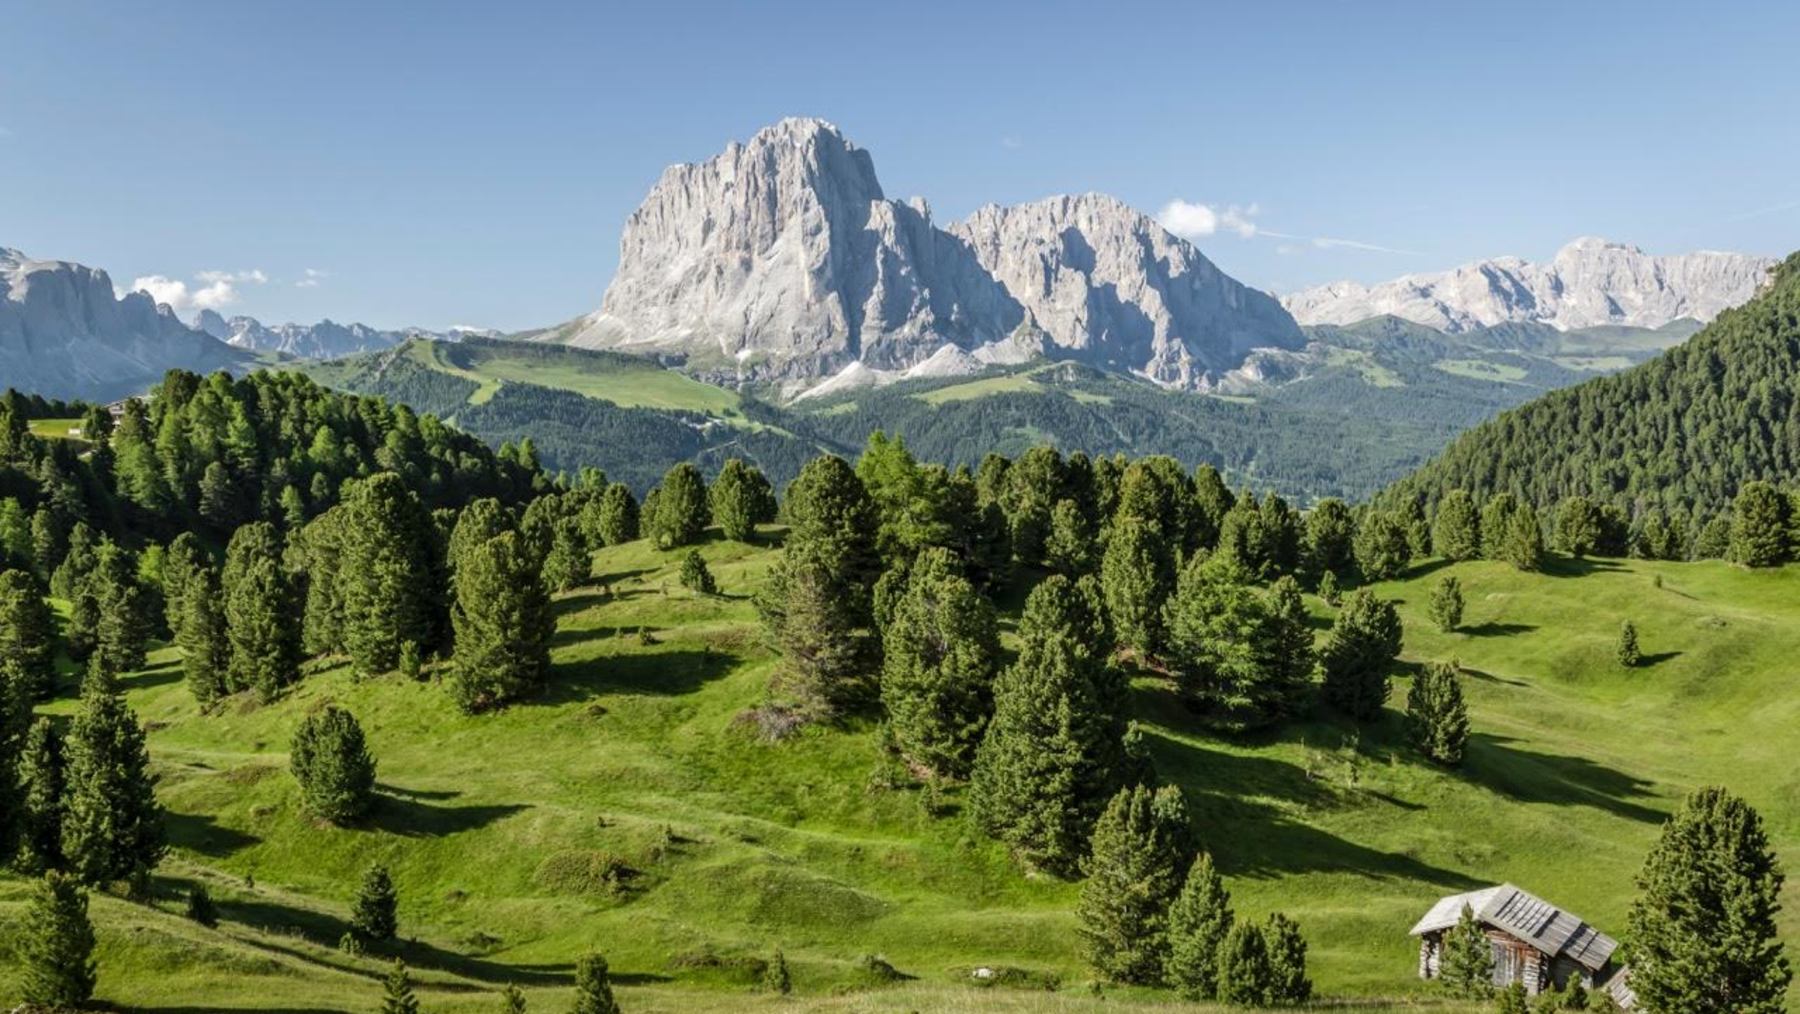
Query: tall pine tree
[(1133, 871), (1358, 654), (503, 622), (260, 618), (112, 825), (941, 649)]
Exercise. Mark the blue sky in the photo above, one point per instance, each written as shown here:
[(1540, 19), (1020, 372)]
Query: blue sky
[(472, 163)]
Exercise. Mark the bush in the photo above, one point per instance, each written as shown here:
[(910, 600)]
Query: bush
[(695, 576), (333, 765), (200, 906)]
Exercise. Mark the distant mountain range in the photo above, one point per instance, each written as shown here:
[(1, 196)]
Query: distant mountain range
[(324, 340), (783, 259), (1589, 283)]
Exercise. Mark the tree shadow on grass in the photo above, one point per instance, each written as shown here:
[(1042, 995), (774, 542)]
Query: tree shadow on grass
[(411, 818), (668, 672), (155, 676), (200, 833), (1646, 661), (1569, 566), (1492, 629), (1529, 776)]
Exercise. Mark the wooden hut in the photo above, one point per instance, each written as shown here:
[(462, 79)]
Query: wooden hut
[(1535, 943)]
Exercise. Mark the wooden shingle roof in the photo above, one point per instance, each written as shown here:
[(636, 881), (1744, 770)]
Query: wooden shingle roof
[(1524, 915)]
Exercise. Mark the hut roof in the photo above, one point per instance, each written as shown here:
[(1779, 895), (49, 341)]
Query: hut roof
[(1521, 914)]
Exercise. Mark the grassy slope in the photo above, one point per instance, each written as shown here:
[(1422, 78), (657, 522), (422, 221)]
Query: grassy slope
[(744, 847)]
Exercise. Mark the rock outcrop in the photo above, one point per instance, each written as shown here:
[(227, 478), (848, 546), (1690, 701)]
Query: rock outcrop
[(782, 258), (1590, 282), (64, 333)]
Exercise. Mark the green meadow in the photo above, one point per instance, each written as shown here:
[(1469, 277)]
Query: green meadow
[(628, 810)]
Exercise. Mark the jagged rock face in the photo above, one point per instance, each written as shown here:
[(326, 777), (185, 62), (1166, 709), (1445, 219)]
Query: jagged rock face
[(1590, 282), (324, 340), (65, 334), (782, 258), (1114, 288)]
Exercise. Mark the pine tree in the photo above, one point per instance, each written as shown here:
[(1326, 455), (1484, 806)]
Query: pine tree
[(112, 825), (56, 951), (27, 637), (1466, 958), (829, 654), (941, 651), (1199, 918), (1070, 546), (681, 510), (1456, 529), (397, 992), (1579, 526), (1759, 526), (776, 978), (1383, 547), (1330, 535), (695, 576), (593, 991), (331, 761), (200, 907), (1628, 653), (1446, 605), (503, 623), (1137, 573), (373, 916), (1358, 653), (201, 636), (122, 628), (831, 517), (1286, 645), (185, 558), (1053, 753), (1245, 974), (1703, 930), (40, 774), (259, 613), (1288, 982), (1513, 1000), (570, 561), (512, 1000), (1523, 545), (735, 495), (1235, 657), (383, 572), (1436, 717), (76, 563), (1328, 589), (1133, 871), (1496, 524), (618, 521)]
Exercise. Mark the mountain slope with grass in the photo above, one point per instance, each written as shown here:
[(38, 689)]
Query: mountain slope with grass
[(1681, 432), (628, 807)]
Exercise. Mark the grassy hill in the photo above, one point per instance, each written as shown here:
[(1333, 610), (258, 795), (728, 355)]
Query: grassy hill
[(501, 830)]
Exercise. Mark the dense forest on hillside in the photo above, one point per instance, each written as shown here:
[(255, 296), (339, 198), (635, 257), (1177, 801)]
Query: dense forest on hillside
[(1683, 432)]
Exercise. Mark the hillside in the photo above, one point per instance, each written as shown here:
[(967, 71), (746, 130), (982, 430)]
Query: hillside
[(492, 824), (1682, 431)]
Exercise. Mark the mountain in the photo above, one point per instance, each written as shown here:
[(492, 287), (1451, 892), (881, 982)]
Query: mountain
[(64, 333), (324, 340), (1681, 432), (783, 259), (1589, 283)]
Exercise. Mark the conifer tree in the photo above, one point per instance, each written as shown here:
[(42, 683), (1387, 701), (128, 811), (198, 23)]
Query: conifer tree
[(1244, 539), (40, 774), (1446, 605), (1714, 541), (831, 516), (56, 951), (1070, 546), (1383, 547), (941, 650), (1053, 753), (1133, 871), (695, 576), (331, 761), (618, 520), (512, 1000), (112, 825), (1436, 716), (734, 497), (1286, 646), (76, 563), (1628, 653), (776, 977), (1579, 526), (1358, 653), (1199, 918), (1759, 526), (373, 916), (1288, 981), (1513, 1000), (1456, 529), (185, 558), (259, 613), (503, 622), (123, 621), (593, 990), (1328, 589), (1466, 958), (829, 653), (570, 561), (200, 907), (201, 636), (27, 637), (1222, 644), (1033, 485), (1496, 524), (681, 510), (1245, 974), (397, 992), (1523, 546), (1703, 930), (384, 572), (1137, 574), (1330, 535)]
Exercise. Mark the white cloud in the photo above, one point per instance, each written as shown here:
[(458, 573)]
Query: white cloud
[(1011, 142), (311, 280), (1333, 242), (1191, 220), (212, 290)]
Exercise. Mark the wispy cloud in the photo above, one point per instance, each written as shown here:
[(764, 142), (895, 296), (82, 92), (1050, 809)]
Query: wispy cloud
[(1012, 142), (1336, 242), (211, 290), (311, 279), (1191, 220)]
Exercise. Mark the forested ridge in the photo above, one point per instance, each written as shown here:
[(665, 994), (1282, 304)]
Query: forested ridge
[(1682, 433)]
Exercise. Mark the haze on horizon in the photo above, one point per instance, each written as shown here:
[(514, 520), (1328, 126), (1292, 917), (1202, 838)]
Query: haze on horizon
[(465, 165)]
